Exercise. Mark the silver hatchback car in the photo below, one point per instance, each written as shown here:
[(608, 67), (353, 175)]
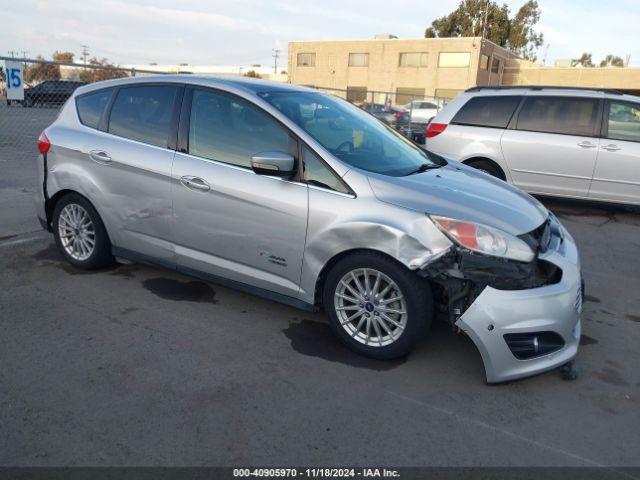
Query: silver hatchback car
[(302, 198)]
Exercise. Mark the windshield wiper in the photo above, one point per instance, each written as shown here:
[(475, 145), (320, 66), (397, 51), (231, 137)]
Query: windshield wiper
[(424, 167)]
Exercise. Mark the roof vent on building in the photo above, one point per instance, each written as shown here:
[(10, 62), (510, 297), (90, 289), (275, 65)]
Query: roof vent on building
[(384, 36)]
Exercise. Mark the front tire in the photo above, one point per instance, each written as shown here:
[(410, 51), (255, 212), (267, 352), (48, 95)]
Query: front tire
[(376, 306), (80, 234)]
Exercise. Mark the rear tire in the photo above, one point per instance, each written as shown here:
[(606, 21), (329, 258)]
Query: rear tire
[(80, 234), (376, 306), (489, 167)]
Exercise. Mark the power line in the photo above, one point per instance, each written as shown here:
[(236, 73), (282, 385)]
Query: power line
[(85, 53), (276, 54)]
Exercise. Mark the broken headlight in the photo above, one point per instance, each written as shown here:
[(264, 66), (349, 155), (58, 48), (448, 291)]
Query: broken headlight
[(484, 239)]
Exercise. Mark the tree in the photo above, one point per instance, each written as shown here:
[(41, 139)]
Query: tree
[(585, 60), (612, 61), (62, 57), (90, 75), (39, 72), (486, 18), (252, 74)]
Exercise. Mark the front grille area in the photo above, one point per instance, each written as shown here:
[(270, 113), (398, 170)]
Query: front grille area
[(533, 344)]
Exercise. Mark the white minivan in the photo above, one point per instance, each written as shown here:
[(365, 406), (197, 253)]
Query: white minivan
[(564, 142)]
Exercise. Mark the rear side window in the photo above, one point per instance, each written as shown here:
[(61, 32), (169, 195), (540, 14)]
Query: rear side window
[(144, 113), (568, 116), (91, 107), (487, 111)]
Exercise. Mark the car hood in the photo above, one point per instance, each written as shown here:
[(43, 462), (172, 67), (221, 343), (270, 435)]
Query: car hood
[(463, 193)]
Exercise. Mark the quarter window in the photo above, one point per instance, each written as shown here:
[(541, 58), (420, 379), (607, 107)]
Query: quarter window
[(318, 174), (358, 59), (569, 116), (490, 111), (91, 107), (624, 121), (144, 114), (414, 59), (306, 60), (231, 130)]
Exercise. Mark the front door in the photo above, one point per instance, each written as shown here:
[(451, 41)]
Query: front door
[(554, 145), (617, 174), (231, 222)]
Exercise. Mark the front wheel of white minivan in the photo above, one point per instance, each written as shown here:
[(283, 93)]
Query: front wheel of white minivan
[(80, 234), (376, 306)]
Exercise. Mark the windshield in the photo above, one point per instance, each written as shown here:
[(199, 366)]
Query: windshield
[(354, 136)]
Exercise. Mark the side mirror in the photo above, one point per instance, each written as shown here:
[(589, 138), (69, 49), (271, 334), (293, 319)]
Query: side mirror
[(275, 164)]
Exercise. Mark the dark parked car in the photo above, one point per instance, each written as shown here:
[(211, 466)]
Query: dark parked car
[(391, 115), (49, 93)]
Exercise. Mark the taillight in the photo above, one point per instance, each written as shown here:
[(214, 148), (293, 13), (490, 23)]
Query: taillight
[(434, 129), (43, 143)]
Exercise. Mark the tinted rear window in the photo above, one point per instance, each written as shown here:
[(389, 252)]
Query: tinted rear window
[(569, 116), (487, 111), (144, 114), (91, 106)]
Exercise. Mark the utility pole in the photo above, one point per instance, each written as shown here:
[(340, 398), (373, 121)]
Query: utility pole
[(544, 58), (85, 53), (486, 16), (276, 54), (13, 53)]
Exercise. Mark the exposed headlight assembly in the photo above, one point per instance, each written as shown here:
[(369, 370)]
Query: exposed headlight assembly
[(484, 239)]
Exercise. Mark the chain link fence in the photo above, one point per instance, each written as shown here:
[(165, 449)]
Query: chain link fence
[(48, 84)]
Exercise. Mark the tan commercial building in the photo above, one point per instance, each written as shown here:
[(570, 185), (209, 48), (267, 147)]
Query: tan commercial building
[(428, 67), (368, 70)]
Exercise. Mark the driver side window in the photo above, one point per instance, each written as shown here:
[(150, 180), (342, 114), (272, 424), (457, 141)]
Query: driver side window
[(318, 174), (229, 129)]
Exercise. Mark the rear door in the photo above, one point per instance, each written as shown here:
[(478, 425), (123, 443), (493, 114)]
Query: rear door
[(617, 173), (553, 145), (231, 222), (129, 158)]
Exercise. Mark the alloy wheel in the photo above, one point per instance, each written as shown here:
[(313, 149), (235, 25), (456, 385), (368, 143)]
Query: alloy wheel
[(76, 231), (370, 307)]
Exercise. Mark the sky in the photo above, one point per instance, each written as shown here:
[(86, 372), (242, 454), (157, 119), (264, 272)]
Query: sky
[(244, 32)]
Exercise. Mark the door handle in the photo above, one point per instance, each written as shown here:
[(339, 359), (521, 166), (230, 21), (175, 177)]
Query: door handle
[(587, 145), (195, 183), (611, 148), (99, 156)]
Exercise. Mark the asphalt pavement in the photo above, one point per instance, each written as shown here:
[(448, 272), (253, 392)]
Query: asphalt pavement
[(137, 365)]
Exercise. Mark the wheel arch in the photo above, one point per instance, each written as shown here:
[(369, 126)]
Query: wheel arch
[(51, 203), (471, 160), (333, 261)]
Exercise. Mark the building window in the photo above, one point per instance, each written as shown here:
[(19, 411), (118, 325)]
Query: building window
[(306, 60), (495, 65), (406, 95), (484, 62), (446, 93), (357, 95), (454, 59), (358, 59), (413, 59)]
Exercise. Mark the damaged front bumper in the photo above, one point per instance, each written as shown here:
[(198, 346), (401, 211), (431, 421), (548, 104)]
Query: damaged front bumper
[(513, 329)]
